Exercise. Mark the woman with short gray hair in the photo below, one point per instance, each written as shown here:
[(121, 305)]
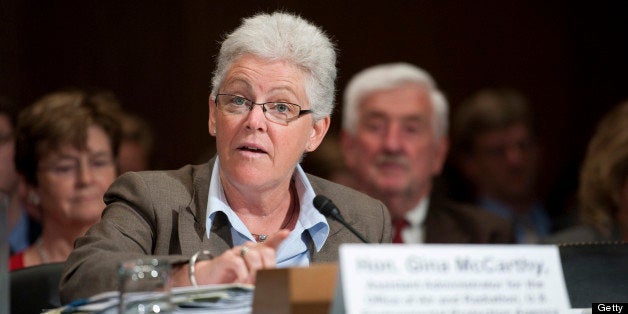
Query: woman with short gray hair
[(250, 207)]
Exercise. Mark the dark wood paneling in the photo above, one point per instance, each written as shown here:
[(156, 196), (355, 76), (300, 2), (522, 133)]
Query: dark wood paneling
[(568, 57)]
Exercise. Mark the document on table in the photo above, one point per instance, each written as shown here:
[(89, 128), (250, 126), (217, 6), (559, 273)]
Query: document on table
[(224, 298), (227, 299)]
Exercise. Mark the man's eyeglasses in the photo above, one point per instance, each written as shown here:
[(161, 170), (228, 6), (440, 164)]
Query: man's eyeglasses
[(278, 112)]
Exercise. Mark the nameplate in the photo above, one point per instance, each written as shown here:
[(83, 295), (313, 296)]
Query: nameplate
[(450, 279)]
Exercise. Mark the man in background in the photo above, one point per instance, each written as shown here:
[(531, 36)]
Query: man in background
[(496, 151), (394, 141), (136, 146)]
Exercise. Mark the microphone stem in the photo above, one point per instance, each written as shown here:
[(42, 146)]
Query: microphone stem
[(355, 232)]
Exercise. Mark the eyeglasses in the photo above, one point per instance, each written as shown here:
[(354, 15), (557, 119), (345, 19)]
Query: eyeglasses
[(70, 168), (278, 112)]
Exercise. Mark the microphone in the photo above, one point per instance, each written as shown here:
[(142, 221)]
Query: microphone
[(326, 207)]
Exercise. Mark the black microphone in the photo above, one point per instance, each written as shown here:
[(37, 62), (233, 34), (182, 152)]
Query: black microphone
[(329, 209)]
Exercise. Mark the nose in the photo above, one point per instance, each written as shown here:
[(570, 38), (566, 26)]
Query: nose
[(515, 154), (85, 173), (392, 138), (256, 118)]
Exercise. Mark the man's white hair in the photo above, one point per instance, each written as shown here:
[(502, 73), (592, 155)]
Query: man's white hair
[(389, 76)]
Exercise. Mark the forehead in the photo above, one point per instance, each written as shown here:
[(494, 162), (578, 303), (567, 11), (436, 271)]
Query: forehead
[(404, 101), (514, 133), (258, 74), (97, 141)]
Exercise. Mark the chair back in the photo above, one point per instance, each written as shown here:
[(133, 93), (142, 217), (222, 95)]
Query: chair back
[(35, 289), (595, 273)]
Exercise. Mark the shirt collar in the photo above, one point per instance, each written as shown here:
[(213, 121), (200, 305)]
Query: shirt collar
[(536, 214), (416, 216), (310, 218), (496, 207)]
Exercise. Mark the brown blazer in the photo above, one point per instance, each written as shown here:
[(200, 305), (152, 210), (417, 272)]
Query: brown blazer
[(162, 213), (449, 222)]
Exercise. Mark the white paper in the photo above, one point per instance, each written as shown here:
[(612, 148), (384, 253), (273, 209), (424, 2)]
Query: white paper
[(434, 278)]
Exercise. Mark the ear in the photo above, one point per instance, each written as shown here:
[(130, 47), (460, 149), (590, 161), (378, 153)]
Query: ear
[(211, 123), (319, 129), (29, 198)]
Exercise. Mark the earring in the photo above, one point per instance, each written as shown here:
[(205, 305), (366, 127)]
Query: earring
[(33, 198)]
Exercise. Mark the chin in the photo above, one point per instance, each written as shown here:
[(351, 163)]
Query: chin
[(249, 177), (83, 220), (392, 182), (391, 188)]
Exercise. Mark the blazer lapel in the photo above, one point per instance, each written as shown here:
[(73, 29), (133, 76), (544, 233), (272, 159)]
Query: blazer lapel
[(335, 236), (192, 218), (192, 230), (220, 239)]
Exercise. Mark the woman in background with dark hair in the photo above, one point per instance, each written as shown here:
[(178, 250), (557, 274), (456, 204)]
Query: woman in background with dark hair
[(65, 151)]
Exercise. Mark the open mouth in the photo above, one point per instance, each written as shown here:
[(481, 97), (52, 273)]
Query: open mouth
[(252, 149)]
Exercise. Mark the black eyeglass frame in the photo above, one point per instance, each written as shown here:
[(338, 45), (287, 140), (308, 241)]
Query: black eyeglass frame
[(252, 104)]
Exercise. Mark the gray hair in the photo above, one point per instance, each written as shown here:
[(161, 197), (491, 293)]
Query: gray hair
[(284, 36), (389, 76)]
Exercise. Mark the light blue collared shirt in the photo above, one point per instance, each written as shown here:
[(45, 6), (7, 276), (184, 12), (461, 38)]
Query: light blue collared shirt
[(293, 251), (529, 228)]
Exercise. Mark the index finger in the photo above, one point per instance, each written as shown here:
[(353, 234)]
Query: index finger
[(275, 240)]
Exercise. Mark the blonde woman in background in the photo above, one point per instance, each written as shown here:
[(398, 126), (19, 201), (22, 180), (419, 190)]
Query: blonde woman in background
[(603, 190)]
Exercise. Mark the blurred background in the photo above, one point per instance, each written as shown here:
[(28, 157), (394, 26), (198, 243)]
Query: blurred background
[(568, 57)]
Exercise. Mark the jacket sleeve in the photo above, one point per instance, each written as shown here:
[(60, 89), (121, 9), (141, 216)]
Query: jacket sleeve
[(127, 230)]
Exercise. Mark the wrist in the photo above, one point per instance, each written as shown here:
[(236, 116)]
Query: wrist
[(198, 256)]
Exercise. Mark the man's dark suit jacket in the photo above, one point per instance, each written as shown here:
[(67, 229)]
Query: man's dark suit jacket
[(449, 222), (162, 213)]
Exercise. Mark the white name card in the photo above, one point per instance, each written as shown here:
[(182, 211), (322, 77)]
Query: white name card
[(450, 279)]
